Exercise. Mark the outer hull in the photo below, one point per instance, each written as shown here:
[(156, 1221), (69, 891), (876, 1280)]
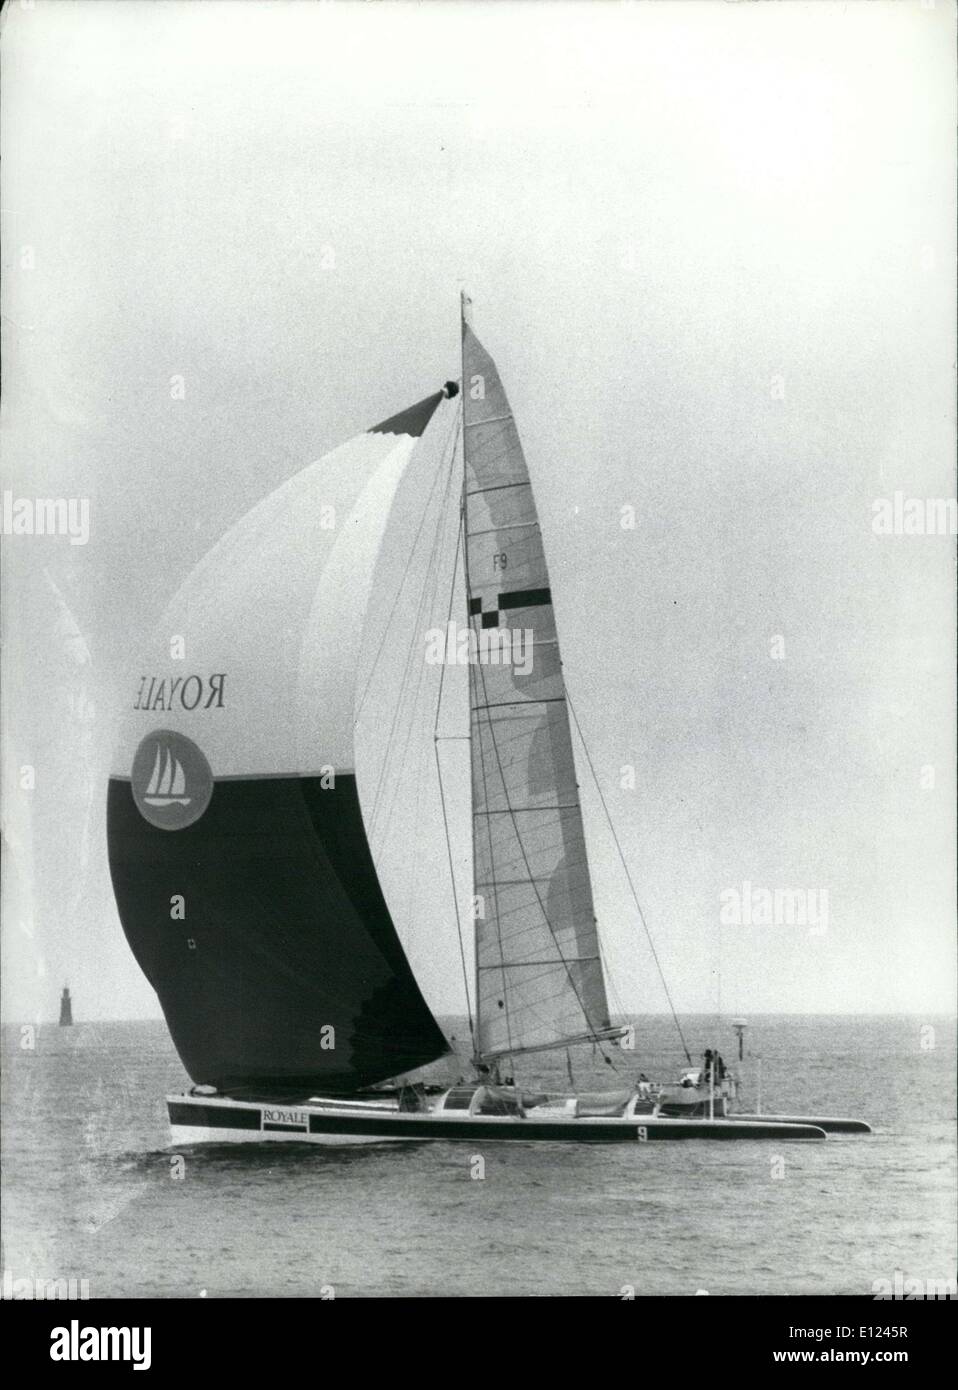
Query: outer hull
[(217, 1121), (831, 1124)]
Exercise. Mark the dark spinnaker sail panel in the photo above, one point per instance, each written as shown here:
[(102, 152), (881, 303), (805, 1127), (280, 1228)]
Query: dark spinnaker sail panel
[(285, 937)]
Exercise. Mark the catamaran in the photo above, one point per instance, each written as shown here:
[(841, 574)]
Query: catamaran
[(253, 778)]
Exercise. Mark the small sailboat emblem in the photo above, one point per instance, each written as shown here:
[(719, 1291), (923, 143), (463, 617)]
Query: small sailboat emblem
[(167, 785), (170, 779)]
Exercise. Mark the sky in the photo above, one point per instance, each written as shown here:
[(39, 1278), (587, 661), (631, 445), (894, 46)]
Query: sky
[(711, 248)]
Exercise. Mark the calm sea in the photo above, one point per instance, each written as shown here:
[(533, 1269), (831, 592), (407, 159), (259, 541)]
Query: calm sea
[(91, 1188)]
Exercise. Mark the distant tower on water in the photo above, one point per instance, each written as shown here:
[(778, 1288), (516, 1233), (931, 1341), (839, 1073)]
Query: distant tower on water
[(66, 1009)]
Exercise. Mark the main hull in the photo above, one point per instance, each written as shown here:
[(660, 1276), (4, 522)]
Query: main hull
[(195, 1120)]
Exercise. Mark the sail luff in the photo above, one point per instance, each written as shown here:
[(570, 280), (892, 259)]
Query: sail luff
[(538, 973), (477, 1034), (465, 324)]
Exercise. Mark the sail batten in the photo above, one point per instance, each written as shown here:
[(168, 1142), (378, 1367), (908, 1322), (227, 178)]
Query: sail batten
[(609, 1034), (539, 980)]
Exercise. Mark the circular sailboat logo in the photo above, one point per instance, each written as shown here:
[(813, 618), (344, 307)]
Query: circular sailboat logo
[(171, 779)]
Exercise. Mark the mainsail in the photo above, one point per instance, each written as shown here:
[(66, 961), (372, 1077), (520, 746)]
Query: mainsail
[(239, 856), (539, 975)]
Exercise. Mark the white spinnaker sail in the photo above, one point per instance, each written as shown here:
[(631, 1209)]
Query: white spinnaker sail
[(412, 773), (539, 974), (288, 975), (276, 608)]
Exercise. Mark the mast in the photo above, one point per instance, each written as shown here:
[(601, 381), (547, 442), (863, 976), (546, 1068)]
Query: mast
[(463, 300), (539, 981)]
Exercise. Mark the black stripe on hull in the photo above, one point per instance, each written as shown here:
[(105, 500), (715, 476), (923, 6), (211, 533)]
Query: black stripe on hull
[(212, 1116), (523, 1131), (285, 932)]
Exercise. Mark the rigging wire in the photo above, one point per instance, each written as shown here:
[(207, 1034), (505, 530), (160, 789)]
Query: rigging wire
[(635, 896), (379, 813), (486, 802), (382, 809), (525, 858), (402, 582), (442, 794)]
